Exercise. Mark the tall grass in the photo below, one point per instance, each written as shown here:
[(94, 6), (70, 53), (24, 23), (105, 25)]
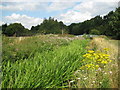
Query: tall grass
[(105, 77), (16, 48), (47, 68)]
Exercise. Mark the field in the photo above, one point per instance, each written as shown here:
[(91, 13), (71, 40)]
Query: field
[(59, 61)]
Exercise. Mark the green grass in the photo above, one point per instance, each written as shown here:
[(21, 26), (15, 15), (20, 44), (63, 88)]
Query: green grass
[(54, 61), (40, 62)]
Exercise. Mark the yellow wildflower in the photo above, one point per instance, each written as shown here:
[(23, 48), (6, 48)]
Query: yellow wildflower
[(104, 62), (97, 66), (106, 49), (91, 51)]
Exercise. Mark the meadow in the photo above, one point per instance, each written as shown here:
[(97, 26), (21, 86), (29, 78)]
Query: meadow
[(59, 61)]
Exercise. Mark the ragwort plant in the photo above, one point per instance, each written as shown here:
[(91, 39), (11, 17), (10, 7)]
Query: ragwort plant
[(92, 73), (94, 60)]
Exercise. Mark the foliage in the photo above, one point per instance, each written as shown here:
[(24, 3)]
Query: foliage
[(17, 48), (95, 60), (108, 25), (95, 32), (97, 70), (14, 29), (50, 26), (51, 68)]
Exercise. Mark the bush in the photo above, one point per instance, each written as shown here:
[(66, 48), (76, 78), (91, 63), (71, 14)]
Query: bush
[(94, 32)]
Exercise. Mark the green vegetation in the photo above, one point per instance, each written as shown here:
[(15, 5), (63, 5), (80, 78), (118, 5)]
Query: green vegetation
[(57, 61), (50, 56), (95, 32), (108, 25), (99, 67), (49, 62)]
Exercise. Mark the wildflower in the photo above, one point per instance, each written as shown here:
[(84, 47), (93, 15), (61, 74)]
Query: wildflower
[(93, 81), (110, 60), (82, 70), (104, 62), (105, 73), (72, 81), (91, 51), (97, 66), (110, 72), (99, 69), (95, 60), (106, 49), (85, 78)]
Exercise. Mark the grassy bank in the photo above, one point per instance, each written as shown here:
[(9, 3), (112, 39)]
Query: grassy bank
[(55, 61), (41, 61)]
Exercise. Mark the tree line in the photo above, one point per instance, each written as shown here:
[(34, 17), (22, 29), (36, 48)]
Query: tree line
[(108, 25)]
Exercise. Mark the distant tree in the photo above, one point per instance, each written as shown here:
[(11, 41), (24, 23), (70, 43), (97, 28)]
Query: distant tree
[(112, 23), (14, 29), (50, 26), (70, 27), (4, 26), (108, 25)]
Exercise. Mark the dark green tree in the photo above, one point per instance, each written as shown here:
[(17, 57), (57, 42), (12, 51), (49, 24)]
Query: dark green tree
[(14, 29), (4, 26)]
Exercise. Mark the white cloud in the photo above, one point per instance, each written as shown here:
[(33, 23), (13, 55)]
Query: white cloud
[(39, 6), (86, 10), (74, 17), (58, 0), (25, 20), (1, 22), (21, 6), (96, 8), (55, 6)]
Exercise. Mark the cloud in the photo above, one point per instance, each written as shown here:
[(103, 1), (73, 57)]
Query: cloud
[(74, 17), (95, 8), (55, 6), (39, 6), (86, 10), (25, 20), (22, 6), (1, 22), (58, 0)]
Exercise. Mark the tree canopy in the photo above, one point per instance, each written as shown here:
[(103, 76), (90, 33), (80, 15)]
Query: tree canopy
[(50, 26)]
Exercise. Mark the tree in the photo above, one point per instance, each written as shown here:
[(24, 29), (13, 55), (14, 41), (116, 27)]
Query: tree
[(108, 25), (50, 26), (4, 26), (14, 29)]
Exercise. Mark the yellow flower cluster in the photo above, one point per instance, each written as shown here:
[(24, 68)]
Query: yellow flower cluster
[(106, 49), (90, 66), (93, 60)]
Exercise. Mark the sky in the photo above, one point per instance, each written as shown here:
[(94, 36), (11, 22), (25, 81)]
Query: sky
[(32, 12)]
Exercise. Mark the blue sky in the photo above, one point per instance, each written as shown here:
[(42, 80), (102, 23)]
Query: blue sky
[(30, 13)]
